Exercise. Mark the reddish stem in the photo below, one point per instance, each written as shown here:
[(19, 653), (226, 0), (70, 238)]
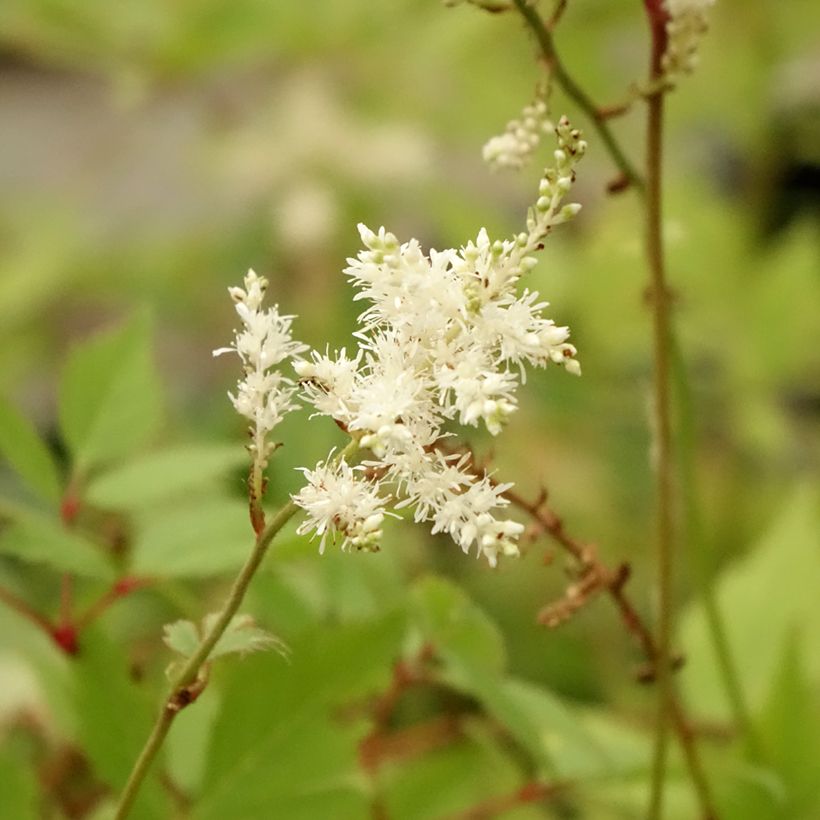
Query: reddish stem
[(66, 599), (494, 806), (120, 589), (12, 601), (70, 506), (64, 635)]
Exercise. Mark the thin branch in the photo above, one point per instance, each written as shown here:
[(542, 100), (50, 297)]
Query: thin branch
[(190, 681), (532, 792), (119, 590), (12, 601), (661, 427), (557, 14), (66, 599), (576, 93), (613, 582)]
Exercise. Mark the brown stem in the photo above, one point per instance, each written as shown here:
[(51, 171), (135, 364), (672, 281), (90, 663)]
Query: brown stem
[(16, 603), (576, 93), (532, 792), (120, 589), (613, 582)]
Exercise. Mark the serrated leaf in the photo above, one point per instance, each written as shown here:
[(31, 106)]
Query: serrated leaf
[(27, 453), (761, 616), (287, 714), (458, 629), (241, 637), (181, 636), (38, 539), (110, 394), (195, 540), (151, 479)]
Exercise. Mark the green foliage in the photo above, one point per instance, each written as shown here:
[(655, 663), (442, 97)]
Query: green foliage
[(148, 480), (241, 637), (114, 714), (37, 538), (27, 453), (18, 789), (761, 620), (109, 395), (283, 743), (213, 107), (199, 537), (464, 636)]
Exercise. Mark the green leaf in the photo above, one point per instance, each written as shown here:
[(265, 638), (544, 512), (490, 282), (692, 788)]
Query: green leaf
[(790, 731), (154, 478), (443, 782), (181, 636), (459, 630), (114, 718), (187, 745), (282, 743), (241, 637), (110, 394), (27, 453), (38, 539), (18, 787), (768, 595), (201, 538)]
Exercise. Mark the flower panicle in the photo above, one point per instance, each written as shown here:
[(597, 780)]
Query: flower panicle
[(264, 395), (444, 336)]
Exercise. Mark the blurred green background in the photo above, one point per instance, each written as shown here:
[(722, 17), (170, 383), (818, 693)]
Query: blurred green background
[(150, 152)]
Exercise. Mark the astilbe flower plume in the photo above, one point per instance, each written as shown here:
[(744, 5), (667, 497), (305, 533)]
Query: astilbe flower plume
[(265, 395), (446, 335)]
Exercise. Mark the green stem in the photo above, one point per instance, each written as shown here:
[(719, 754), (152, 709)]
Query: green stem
[(704, 570), (187, 684), (180, 694), (577, 94), (662, 445)]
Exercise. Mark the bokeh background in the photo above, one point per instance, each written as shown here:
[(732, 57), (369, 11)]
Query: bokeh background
[(150, 152)]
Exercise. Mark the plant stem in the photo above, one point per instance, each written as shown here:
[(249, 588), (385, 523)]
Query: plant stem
[(120, 589), (576, 93), (181, 692), (188, 684), (12, 601), (661, 414)]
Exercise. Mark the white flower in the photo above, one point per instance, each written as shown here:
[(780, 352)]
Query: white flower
[(444, 336), (264, 396), (340, 504), (687, 24), (514, 148)]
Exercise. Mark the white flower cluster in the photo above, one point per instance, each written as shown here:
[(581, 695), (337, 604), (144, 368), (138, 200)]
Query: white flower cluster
[(264, 395), (514, 148), (445, 336), (338, 502), (688, 22)]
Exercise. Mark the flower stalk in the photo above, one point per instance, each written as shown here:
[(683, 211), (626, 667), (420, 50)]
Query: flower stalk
[(190, 681)]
